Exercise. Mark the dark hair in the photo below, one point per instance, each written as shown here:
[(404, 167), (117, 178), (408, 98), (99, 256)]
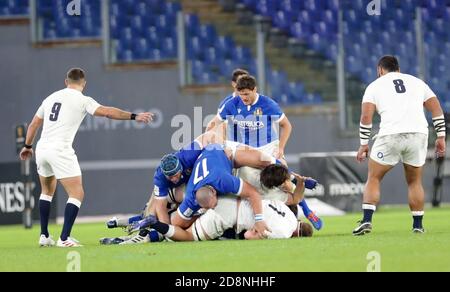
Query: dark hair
[(238, 73), (389, 63), (274, 176), (246, 82), (305, 229), (76, 75)]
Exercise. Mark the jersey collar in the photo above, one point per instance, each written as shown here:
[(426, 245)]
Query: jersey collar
[(256, 101)]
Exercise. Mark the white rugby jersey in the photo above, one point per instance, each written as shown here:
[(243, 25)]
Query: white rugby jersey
[(399, 100), (63, 113)]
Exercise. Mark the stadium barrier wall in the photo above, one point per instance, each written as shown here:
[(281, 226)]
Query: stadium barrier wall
[(13, 194)]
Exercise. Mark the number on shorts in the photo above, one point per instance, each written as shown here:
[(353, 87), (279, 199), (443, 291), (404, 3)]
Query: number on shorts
[(205, 171), (55, 112), (399, 86), (283, 214)]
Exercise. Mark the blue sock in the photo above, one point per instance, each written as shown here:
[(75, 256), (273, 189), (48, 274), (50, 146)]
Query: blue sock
[(368, 211), (154, 236), (70, 214), (44, 211), (417, 217), (305, 208), (135, 219)]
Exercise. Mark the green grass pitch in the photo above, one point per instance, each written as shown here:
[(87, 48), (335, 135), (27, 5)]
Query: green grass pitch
[(332, 249)]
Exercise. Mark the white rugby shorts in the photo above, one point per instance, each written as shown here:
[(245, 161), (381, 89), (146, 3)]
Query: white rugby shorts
[(409, 148), (57, 160)]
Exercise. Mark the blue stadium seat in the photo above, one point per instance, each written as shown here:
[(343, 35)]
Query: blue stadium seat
[(225, 45), (14, 8), (54, 17), (208, 34), (169, 47), (192, 23), (141, 49)]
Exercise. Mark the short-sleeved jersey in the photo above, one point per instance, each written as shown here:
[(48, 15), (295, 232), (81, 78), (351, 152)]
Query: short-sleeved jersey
[(230, 213), (224, 102), (399, 100), (63, 112), (214, 169), (252, 125), (278, 217), (188, 156)]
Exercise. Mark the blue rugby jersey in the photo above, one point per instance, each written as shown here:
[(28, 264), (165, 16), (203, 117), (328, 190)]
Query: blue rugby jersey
[(252, 125), (213, 168), (187, 155)]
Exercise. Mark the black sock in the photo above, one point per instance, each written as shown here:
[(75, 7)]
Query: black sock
[(44, 211), (162, 228), (418, 222), (70, 214), (417, 219), (368, 210)]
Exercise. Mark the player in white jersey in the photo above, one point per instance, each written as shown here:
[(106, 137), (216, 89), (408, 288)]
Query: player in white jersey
[(233, 213), (403, 137), (61, 115)]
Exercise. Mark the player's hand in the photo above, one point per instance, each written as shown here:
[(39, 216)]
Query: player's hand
[(144, 118), (363, 153), (300, 179), (440, 147), (26, 153), (279, 153), (262, 229)]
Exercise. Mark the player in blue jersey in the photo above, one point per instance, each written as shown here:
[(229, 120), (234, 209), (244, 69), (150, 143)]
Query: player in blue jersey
[(213, 173), (176, 169), (216, 124), (252, 120), (230, 213), (169, 181)]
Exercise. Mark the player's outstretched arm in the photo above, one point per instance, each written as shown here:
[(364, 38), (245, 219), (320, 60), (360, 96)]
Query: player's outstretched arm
[(118, 114), (285, 134), (35, 125), (299, 193), (251, 194)]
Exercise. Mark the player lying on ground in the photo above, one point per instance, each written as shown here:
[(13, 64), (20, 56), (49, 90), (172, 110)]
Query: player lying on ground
[(241, 157), (170, 179), (234, 213), (273, 183)]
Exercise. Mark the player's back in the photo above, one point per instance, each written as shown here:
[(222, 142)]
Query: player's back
[(399, 100), (63, 113), (278, 217)]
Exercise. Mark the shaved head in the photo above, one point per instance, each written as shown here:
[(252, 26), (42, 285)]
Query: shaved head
[(206, 197)]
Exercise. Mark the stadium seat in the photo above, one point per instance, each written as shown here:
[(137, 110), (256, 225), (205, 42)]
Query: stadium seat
[(54, 17), (14, 8)]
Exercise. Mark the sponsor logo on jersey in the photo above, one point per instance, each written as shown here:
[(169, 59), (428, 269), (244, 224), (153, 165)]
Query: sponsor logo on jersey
[(251, 125)]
